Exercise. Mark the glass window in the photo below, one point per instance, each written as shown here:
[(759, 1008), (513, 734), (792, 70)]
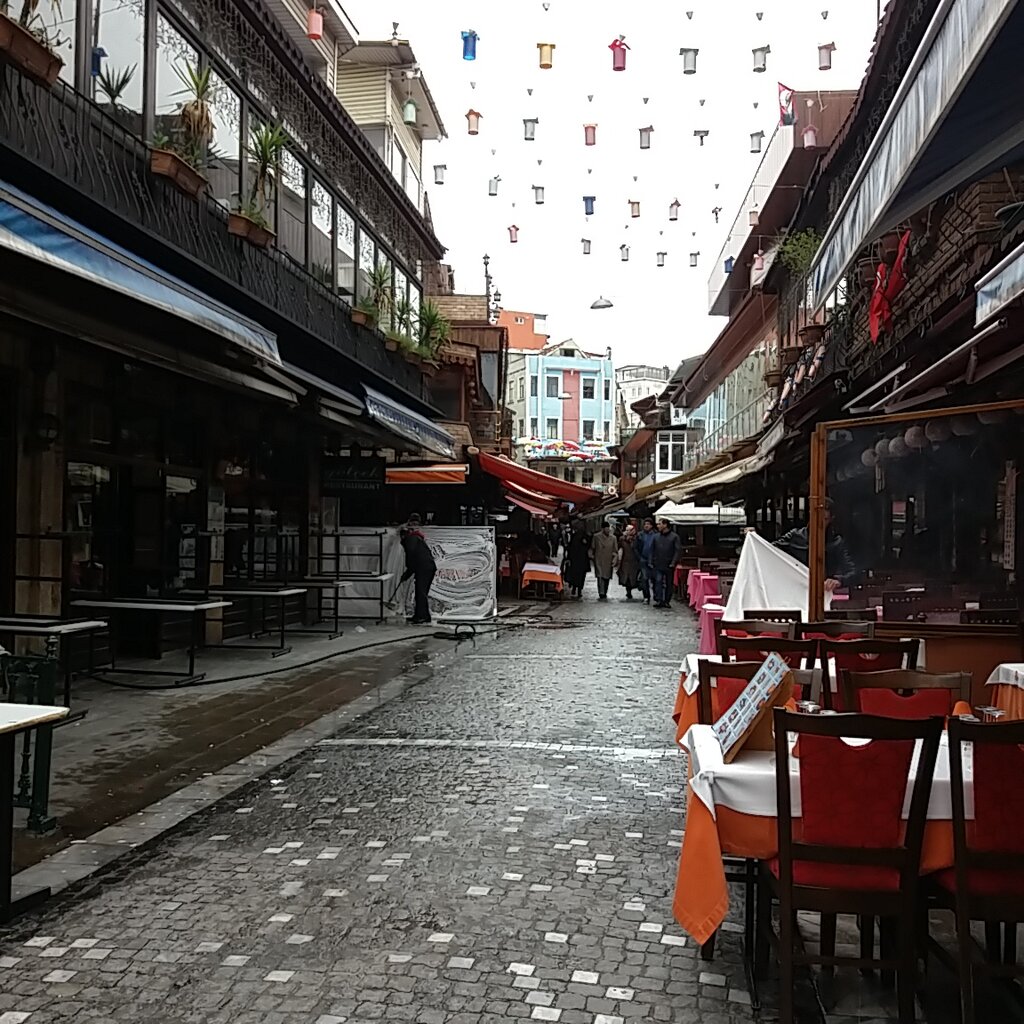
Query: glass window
[(551, 386), (403, 321), (606, 476), (262, 197), (663, 456), (173, 57), (533, 427), (398, 164), (345, 253), (607, 389), (55, 22), (607, 430), (384, 263), (588, 387), (533, 385), (117, 31), (413, 188), (551, 470), (588, 430), (678, 456), (367, 252), (522, 428), (522, 389), (321, 205), (227, 132), (588, 475), (414, 301), (292, 221), (552, 430), (567, 474)]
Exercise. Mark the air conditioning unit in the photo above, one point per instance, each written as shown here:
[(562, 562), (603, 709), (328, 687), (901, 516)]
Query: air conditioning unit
[(678, 416)]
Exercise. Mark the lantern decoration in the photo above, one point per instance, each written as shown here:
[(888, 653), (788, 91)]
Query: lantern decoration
[(469, 41), (624, 253), (586, 246), (937, 431), (409, 111), (618, 48), (755, 141), (964, 425), (701, 102), (588, 205), (701, 133), (538, 194), (661, 259), (473, 119), (730, 262), (915, 438), (758, 264), (689, 55), (492, 186), (673, 210), (869, 457), (988, 417), (761, 57), (601, 303), (715, 211), (547, 53), (439, 170), (810, 137), (314, 25), (824, 15), (689, 15), (898, 447), (513, 233), (753, 218), (825, 56), (882, 448), (530, 128), (693, 258), (634, 208), (590, 135), (645, 137), (759, 15)]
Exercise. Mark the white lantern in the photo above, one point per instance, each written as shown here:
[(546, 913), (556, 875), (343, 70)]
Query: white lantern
[(586, 246), (868, 457), (937, 431), (915, 438), (693, 258), (758, 262), (882, 448), (673, 210), (530, 128), (492, 186), (538, 194), (645, 137), (624, 253), (753, 218), (755, 141), (661, 259), (689, 56), (825, 56), (761, 57), (702, 134), (409, 111), (898, 447), (810, 137), (439, 170), (634, 208)]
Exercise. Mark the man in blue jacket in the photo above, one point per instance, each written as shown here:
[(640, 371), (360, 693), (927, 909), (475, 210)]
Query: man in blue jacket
[(665, 552), (643, 546)]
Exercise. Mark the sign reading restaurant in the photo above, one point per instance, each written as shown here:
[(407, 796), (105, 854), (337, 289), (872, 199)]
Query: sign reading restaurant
[(341, 475)]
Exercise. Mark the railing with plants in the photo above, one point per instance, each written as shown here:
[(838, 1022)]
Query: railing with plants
[(744, 424)]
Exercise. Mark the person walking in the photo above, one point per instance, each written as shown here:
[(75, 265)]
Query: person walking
[(629, 563), (419, 564), (577, 560), (643, 546), (604, 550), (665, 553)]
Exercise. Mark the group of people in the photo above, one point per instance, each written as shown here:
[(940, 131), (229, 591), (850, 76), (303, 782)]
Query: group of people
[(644, 560)]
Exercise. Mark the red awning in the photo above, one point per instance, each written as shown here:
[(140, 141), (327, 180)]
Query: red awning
[(443, 473), (527, 507), (540, 500), (540, 483)]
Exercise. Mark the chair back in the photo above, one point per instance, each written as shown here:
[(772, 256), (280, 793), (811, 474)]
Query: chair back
[(773, 614), (904, 693), (719, 684), (852, 798), (725, 585), (807, 684), (865, 656), (795, 653), (836, 630), (991, 617), (752, 627)]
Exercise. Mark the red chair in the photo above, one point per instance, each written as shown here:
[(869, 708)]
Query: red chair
[(904, 693), (987, 881), (836, 630), (797, 654), (865, 656), (773, 615), (719, 684), (744, 628), (849, 851)]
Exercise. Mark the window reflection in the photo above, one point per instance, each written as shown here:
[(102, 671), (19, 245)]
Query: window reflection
[(346, 254), (227, 132), (320, 244), (292, 224), (366, 254), (385, 264), (55, 23), (117, 32), (173, 55)]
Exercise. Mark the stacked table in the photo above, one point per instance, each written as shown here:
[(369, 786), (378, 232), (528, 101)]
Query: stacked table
[(543, 573)]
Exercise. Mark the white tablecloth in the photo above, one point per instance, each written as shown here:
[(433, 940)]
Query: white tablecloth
[(1010, 673), (690, 677)]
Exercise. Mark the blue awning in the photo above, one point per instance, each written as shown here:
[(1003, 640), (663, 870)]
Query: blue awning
[(999, 287), (955, 118), (39, 232), (408, 424)]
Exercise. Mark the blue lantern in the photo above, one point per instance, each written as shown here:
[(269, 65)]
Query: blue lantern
[(469, 40), (588, 204), (729, 263)]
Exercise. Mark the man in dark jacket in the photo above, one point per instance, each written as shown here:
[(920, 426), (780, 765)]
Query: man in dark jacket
[(643, 546), (840, 570), (419, 563), (665, 552)]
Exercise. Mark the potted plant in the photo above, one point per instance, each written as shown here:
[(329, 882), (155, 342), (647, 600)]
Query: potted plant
[(28, 44), (249, 221), (867, 272), (363, 312), (811, 334), (797, 251), (433, 329), (181, 156), (890, 246), (112, 82), (375, 307)]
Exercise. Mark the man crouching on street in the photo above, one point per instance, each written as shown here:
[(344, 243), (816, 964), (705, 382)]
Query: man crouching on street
[(419, 564)]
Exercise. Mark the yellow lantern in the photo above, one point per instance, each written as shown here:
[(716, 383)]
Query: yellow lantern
[(547, 51)]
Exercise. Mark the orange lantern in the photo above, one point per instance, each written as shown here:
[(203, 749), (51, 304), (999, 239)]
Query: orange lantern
[(314, 24)]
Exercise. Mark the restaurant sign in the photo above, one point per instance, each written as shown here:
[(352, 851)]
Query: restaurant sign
[(340, 475)]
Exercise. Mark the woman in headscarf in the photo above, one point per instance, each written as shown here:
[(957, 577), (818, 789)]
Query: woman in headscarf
[(577, 559), (629, 564)]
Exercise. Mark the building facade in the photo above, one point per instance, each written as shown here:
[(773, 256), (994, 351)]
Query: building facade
[(525, 330), (632, 384)]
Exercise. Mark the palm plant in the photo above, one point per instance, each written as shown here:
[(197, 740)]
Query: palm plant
[(32, 20), (113, 82), (266, 143), (195, 127), (405, 313), (379, 301), (433, 328)]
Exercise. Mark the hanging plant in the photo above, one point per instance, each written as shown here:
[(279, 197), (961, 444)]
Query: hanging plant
[(249, 221), (797, 251), (29, 44)]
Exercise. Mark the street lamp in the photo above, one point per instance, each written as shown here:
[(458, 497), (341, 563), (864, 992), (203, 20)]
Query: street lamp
[(601, 303)]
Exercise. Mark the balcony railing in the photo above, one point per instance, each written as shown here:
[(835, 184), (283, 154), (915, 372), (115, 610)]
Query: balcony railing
[(746, 423), (101, 174)]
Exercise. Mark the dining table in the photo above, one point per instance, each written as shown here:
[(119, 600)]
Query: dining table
[(1007, 682), (703, 586), (710, 612), (542, 573)]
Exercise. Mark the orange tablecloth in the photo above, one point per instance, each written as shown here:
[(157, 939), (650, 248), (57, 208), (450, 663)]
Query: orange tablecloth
[(1010, 699), (532, 576)]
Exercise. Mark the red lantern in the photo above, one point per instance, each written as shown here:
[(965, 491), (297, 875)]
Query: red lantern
[(314, 24), (513, 233), (589, 134), (618, 48)]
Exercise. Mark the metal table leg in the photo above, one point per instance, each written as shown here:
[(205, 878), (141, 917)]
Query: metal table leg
[(281, 648)]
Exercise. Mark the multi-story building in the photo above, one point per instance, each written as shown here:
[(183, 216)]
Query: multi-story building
[(525, 330), (632, 384)]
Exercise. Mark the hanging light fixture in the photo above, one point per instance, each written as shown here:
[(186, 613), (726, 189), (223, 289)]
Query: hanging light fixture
[(810, 137), (513, 233), (394, 40), (618, 48), (645, 137), (410, 111), (753, 217), (624, 253), (473, 121), (729, 263), (689, 55), (547, 54), (538, 194), (758, 261), (590, 134), (661, 259), (825, 56), (492, 186), (601, 303), (314, 24), (588, 205), (693, 258), (530, 128), (761, 57), (469, 41), (673, 210), (586, 246), (634, 208), (439, 170), (755, 141), (701, 133)]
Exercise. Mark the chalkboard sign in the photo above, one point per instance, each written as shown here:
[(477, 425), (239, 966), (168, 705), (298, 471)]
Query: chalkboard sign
[(340, 475)]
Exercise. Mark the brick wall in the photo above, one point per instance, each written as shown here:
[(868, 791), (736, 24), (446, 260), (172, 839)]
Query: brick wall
[(463, 307)]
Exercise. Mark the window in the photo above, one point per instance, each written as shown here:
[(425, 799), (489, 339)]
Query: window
[(366, 256), (533, 427), (607, 430), (522, 389), (292, 223), (551, 432), (588, 475), (384, 265), (663, 456), (606, 476), (588, 387), (226, 110), (522, 428), (520, 319), (534, 383), (588, 430), (345, 254), (568, 475), (551, 470), (607, 389), (551, 387), (321, 245)]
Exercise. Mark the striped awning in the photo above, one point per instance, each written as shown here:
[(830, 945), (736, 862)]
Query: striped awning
[(444, 473)]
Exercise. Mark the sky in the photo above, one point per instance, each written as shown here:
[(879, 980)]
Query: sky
[(660, 314)]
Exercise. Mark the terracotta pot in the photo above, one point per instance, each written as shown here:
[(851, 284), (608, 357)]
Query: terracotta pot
[(22, 50), (165, 164), (811, 334), (772, 378), (890, 247), (360, 316), (391, 346), (430, 368), (245, 227)]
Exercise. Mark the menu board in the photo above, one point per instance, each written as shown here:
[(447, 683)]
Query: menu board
[(771, 685)]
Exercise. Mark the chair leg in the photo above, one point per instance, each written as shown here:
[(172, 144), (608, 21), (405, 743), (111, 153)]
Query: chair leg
[(707, 951), (966, 968), (906, 975), (886, 950), (993, 942), (762, 948), (787, 924), (828, 940), (867, 940), (1010, 942)]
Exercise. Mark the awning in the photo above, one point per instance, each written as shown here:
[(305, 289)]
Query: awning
[(999, 287), (39, 232), (511, 472), (543, 513), (697, 515), (954, 118), (446, 473), (340, 399), (717, 477), (408, 424), (535, 499)]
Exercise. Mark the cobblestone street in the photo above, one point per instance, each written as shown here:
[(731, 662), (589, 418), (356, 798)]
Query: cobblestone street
[(499, 842)]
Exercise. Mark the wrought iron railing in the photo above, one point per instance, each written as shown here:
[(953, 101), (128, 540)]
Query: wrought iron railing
[(83, 149), (746, 423)]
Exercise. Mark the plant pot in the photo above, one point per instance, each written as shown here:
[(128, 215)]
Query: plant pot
[(390, 345), (890, 246), (22, 50), (772, 378), (245, 227), (811, 334), (360, 316), (867, 273), (166, 164)]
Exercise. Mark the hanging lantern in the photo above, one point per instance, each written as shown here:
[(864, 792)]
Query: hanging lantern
[(473, 119), (915, 438), (661, 259), (869, 457), (689, 55), (810, 137), (586, 246), (701, 134), (761, 57), (538, 194), (314, 25), (469, 41), (753, 218), (439, 170), (618, 48), (645, 137), (755, 141), (513, 233), (730, 262), (588, 205), (547, 53), (409, 111), (693, 258), (634, 208), (689, 15), (882, 448), (715, 211), (673, 210), (758, 261), (937, 431), (530, 128), (492, 186), (898, 447), (824, 15), (624, 253), (964, 425), (590, 135), (825, 56)]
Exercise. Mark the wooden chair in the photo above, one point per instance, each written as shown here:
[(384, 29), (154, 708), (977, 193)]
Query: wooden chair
[(865, 656), (904, 693), (836, 630), (795, 653), (773, 615), (739, 628), (987, 880), (852, 855)]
